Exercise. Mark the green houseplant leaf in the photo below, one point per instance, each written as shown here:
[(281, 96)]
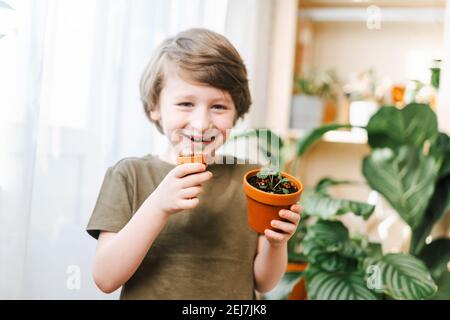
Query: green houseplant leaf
[(438, 205), (322, 205), (405, 177), (337, 285), (314, 135), (392, 128), (436, 256), (404, 277), (295, 250), (327, 245), (269, 144), (325, 183), (441, 151), (325, 207), (440, 201)]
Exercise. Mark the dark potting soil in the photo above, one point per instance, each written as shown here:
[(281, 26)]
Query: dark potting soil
[(262, 184)]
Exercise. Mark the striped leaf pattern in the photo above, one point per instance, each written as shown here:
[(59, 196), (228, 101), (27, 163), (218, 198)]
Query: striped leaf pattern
[(405, 178), (412, 125), (328, 246), (404, 277), (325, 207), (337, 286)]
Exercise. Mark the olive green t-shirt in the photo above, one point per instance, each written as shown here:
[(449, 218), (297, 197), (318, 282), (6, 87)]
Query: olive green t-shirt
[(204, 253)]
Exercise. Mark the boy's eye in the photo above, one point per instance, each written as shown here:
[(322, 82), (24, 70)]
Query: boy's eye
[(184, 104), (219, 106)]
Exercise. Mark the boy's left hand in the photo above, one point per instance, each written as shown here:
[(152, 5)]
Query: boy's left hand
[(286, 228)]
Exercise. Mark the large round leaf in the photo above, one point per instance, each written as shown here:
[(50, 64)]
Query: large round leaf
[(327, 245), (404, 277), (337, 286), (391, 127), (323, 206), (329, 234), (405, 178)]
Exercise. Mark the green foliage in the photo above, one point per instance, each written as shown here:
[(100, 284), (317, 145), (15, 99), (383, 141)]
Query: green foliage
[(337, 285), (314, 135), (324, 84), (270, 180), (392, 128), (405, 177), (403, 276), (320, 204), (410, 166)]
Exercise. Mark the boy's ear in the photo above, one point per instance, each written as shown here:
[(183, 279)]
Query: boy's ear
[(155, 115)]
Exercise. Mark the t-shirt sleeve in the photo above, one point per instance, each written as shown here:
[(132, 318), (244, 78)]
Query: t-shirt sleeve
[(112, 210)]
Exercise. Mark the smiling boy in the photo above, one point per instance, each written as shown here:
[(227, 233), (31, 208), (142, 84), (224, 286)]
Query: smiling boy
[(168, 231)]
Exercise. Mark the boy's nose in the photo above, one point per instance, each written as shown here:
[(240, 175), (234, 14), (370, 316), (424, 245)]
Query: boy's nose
[(200, 121)]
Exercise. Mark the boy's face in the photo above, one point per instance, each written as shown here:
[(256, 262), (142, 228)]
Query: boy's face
[(195, 117)]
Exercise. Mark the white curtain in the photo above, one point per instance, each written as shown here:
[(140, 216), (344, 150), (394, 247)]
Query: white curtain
[(69, 108)]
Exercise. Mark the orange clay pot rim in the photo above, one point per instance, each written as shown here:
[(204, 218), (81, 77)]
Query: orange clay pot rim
[(274, 195), (192, 159), (192, 156)]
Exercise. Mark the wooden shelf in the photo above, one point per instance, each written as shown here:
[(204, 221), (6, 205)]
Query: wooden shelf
[(355, 136), (366, 3), (339, 14)]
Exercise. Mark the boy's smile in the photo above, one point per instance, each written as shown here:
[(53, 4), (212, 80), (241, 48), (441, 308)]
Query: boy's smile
[(195, 117)]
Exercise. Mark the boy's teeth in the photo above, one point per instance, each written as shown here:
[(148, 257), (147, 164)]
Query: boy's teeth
[(201, 140)]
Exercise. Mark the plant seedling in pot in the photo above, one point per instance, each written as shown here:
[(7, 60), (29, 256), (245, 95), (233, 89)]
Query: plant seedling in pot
[(268, 191)]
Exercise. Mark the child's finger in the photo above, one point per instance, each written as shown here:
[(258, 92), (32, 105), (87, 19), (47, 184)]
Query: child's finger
[(274, 236), (289, 215), (286, 227), (188, 168), (296, 208), (189, 204), (191, 192), (195, 179)]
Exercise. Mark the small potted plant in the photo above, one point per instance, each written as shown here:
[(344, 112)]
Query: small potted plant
[(192, 158), (192, 154), (268, 191)]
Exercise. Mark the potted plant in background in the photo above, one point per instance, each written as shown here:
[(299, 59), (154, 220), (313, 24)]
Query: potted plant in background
[(366, 95), (410, 166), (314, 100), (268, 191), (344, 266)]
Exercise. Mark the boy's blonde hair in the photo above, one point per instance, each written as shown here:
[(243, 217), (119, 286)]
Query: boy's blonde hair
[(202, 56)]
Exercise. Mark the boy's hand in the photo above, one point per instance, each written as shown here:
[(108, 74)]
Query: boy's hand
[(180, 188), (287, 228)]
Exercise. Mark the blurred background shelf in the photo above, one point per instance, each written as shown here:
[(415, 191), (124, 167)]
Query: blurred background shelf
[(365, 3), (337, 14), (335, 136)]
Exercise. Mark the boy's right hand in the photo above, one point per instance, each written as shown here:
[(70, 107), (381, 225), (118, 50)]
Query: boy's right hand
[(180, 188)]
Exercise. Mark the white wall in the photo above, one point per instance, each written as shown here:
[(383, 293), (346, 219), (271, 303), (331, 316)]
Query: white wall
[(399, 50)]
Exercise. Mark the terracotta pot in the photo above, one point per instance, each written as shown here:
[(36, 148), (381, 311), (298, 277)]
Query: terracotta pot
[(263, 207), (195, 158), (299, 290)]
